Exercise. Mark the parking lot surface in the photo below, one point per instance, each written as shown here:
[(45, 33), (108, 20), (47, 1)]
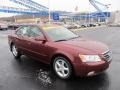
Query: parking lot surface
[(29, 74)]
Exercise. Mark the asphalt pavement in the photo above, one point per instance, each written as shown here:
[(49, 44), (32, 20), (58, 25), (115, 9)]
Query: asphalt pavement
[(29, 74)]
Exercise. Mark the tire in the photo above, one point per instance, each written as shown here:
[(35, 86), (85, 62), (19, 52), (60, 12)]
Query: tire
[(15, 52), (62, 68)]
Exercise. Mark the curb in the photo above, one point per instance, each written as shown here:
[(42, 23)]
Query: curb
[(76, 30)]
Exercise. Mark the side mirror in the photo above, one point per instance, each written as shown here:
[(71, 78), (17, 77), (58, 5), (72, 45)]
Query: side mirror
[(40, 38)]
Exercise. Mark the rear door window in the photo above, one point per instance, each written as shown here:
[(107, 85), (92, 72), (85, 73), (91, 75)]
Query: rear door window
[(23, 31)]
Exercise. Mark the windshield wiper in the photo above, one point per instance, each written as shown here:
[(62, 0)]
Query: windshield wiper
[(61, 40)]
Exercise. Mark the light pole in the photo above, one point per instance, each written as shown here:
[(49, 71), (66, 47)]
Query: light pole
[(14, 18), (49, 11), (89, 15), (107, 6)]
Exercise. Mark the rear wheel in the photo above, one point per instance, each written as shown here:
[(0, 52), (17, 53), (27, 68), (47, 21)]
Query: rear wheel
[(62, 67), (15, 51)]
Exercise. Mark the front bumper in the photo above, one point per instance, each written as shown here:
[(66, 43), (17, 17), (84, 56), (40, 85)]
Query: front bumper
[(90, 69)]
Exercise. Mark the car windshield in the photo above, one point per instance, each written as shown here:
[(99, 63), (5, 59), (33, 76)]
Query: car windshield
[(60, 33)]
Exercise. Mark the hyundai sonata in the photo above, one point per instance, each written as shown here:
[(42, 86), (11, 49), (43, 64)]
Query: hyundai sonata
[(67, 52)]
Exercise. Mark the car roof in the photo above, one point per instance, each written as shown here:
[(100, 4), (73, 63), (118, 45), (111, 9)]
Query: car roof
[(43, 26)]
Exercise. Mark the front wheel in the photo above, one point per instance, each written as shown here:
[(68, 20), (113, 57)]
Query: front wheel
[(62, 67), (15, 51)]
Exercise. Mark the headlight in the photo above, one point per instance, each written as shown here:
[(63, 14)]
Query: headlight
[(89, 58)]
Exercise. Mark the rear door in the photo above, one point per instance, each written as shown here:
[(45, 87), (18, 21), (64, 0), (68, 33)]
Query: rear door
[(22, 39)]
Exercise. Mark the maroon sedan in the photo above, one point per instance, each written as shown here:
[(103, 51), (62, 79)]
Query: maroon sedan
[(67, 52)]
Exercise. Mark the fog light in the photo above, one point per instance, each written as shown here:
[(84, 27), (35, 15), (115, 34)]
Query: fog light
[(91, 73)]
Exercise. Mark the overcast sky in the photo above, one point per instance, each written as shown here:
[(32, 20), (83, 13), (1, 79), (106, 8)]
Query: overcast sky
[(66, 5)]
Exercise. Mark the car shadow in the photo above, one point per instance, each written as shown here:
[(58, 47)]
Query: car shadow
[(43, 76)]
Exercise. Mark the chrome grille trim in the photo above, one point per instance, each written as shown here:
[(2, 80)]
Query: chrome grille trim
[(107, 56)]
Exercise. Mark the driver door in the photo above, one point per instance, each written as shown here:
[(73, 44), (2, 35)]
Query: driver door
[(37, 47)]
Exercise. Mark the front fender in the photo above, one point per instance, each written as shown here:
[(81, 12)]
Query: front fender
[(69, 56)]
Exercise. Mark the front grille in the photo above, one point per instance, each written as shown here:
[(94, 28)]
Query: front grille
[(107, 56)]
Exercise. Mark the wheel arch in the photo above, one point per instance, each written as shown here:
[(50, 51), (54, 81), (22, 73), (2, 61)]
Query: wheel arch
[(64, 56)]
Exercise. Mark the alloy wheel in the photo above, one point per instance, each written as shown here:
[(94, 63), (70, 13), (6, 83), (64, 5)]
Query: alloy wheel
[(62, 68)]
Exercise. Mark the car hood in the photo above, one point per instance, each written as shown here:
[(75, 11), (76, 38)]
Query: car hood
[(90, 45)]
